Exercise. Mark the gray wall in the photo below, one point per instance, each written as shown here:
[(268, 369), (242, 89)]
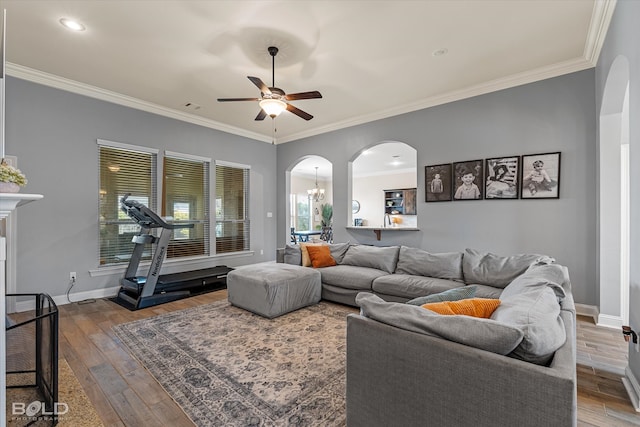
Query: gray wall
[(623, 38), (54, 134), (553, 115)]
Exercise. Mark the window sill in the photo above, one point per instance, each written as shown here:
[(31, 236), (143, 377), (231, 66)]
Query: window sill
[(174, 264)]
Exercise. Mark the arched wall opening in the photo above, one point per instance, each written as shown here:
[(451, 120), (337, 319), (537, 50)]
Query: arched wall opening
[(614, 197)]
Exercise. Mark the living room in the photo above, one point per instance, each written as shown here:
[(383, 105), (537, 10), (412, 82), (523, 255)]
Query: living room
[(53, 133)]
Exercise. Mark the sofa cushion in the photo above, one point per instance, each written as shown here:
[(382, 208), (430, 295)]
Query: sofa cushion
[(554, 276), (484, 291), (474, 307), (409, 287), (485, 334), (338, 250), (320, 256), (455, 294), (537, 313), (292, 255), (485, 268), (382, 258), (350, 277), (422, 263)]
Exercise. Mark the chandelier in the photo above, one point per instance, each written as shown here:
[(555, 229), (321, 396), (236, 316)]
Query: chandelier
[(316, 193)]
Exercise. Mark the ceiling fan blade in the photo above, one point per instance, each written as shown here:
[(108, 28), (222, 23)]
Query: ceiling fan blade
[(261, 115), (237, 99), (303, 95), (263, 87), (298, 112)]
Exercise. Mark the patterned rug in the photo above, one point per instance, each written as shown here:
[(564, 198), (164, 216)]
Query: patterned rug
[(228, 367)]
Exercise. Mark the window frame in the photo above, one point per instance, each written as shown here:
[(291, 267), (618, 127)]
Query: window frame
[(247, 200)]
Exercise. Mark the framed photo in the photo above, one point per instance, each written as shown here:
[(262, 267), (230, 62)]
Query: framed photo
[(540, 178), (437, 183), (468, 177), (502, 176)]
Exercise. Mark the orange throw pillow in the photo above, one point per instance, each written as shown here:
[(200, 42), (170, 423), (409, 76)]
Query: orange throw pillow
[(306, 261), (476, 307), (320, 256)]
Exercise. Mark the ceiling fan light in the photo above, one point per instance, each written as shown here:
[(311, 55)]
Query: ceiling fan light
[(273, 107)]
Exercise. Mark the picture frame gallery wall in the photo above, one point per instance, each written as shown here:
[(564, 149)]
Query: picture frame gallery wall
[(528, 176)]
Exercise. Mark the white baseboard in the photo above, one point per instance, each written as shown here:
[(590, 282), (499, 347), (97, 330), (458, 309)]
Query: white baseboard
[(633, 388), (608, 321), (75, 297), (588, 310)]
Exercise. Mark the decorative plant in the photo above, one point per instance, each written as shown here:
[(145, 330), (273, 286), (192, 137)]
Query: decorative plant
[(327, 214), (10, 174)]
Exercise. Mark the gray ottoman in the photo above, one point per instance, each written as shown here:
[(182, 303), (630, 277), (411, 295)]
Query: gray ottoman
[(272, 290)]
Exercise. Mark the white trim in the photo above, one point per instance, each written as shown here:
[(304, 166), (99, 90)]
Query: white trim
[(507, 82), (76, 297), (633, 388), (125, 146), (587, 310), (201, 262), (183, 156), (600, 20), (232, 164), (609, 321), (40, 77)]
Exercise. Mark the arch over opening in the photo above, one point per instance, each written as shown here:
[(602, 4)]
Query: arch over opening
[(385, 165), (309, 186), (613, 182)]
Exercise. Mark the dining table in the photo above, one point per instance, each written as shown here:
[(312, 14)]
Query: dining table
[(303, 235)]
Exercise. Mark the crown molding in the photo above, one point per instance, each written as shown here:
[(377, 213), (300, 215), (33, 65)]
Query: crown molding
[(600, 20), (40, 77), (507, 82)]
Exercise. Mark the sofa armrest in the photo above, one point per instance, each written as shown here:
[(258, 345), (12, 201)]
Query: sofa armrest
[(398, 377)]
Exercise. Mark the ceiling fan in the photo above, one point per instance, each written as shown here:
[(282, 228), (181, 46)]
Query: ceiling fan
[(273, 100)]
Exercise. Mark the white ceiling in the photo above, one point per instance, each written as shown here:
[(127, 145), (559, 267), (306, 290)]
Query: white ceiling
[(369, 59)]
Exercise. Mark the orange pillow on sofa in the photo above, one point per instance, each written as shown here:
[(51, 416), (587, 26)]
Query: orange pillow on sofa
[(306, 261), (476, 307), (320, 256)]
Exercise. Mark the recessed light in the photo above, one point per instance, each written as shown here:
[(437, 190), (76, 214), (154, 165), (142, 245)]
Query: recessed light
[(71, 24), (440, 52)]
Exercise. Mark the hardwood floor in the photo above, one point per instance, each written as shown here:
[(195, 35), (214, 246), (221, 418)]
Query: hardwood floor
[(124, 394)]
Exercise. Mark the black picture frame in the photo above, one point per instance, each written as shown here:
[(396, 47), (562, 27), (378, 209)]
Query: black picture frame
[(438, 188), (502, 178), (540, 180), (468, 191)]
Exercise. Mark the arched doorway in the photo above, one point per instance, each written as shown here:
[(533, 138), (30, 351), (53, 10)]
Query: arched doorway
[(310, 194), (614, 196)]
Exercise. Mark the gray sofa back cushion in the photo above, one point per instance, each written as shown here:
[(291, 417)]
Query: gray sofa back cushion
[(422, 263), (485, 268), (485, 334), (382, 258), (293, 255), (537, 313)]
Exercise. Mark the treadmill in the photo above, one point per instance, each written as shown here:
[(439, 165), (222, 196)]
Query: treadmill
[(145, 291)]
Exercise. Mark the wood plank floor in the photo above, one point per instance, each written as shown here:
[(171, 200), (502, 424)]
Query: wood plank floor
[(124, 394)]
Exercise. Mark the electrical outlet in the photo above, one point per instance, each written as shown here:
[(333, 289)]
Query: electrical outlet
[(72, 276), (261, 251)]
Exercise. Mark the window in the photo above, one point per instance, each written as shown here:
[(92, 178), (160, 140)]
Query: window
[(232, 207), (300, 211), (124, 169), (186, 200)]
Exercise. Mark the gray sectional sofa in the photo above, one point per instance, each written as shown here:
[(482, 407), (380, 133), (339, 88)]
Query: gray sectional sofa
[(410, 366)]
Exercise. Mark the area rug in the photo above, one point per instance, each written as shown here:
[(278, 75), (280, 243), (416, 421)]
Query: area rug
[(81, 412), (225, 366)]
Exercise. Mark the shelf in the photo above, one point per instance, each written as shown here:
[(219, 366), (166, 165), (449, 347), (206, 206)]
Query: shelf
[(10, 201), (378, 230)]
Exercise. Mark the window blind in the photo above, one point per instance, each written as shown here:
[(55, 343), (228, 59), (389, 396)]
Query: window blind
[(186, 199), (122, 171), (232, 208)]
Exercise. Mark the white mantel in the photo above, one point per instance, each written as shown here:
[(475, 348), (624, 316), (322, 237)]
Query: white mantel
[(8, 203)]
